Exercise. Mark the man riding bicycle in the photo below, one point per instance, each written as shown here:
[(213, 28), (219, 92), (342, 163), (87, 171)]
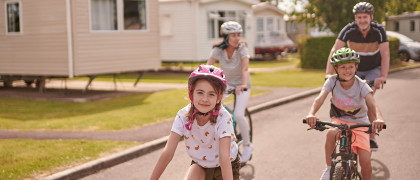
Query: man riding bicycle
[(369, 40)]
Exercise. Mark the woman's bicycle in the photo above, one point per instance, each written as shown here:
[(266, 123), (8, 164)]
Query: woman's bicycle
[(344, 161), (238, 132)]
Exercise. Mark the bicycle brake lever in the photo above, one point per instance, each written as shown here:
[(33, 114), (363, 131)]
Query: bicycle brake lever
[(321, 128)]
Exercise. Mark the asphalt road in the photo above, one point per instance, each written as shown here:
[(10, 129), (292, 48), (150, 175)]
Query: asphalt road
[(283, 149)]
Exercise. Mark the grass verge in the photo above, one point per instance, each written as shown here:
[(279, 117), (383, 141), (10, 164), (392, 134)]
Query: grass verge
[(20, 159)]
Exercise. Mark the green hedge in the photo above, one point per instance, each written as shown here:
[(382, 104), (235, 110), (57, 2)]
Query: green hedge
[(394, 44), (314, 51)]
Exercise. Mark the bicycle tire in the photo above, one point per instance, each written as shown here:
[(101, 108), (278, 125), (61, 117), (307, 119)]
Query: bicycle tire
[(338, 172)]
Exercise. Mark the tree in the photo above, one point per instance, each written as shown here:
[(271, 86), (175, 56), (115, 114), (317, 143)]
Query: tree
[(335, 14)]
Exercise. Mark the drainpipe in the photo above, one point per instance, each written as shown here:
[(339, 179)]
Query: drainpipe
[(69, 39)]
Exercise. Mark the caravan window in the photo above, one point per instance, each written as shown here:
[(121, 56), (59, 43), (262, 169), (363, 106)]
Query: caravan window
[(135, 14), (270, 24), (260, 24), (13, 15), (114, 15), (104, 14), (217, 18)]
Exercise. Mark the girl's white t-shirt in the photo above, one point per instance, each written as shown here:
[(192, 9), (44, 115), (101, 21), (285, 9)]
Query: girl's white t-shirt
[(202, 142)]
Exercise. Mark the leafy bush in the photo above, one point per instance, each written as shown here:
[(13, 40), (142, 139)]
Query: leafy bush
[(314, 52), (394, 44)]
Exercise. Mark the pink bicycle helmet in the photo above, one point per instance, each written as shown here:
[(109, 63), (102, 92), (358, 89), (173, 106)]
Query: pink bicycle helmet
[(202, 72), (207, 71)]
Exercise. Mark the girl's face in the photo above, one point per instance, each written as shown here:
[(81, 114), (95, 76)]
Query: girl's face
[(363, 20), (346, 71), (234, 39), (204, 96)]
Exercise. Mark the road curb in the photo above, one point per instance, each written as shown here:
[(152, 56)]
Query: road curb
[(109, 161), (277, 102), (117, 158)]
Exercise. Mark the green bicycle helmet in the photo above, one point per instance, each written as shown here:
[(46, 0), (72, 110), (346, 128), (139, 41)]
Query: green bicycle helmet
[(344, 55)]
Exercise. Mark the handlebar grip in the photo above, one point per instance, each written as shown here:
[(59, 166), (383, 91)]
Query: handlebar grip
[(384, 127), (304, 121)]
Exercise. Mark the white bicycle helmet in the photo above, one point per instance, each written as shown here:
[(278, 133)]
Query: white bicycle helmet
[(363, 7), (230, 27)]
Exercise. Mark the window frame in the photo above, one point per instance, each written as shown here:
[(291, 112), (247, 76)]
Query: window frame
[(120, 19), (20, 17)]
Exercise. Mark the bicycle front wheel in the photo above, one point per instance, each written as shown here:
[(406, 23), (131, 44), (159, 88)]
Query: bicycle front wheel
[(338, 172)]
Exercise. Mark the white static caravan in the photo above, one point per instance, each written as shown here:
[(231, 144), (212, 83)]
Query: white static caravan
[(69, 38), (271, 35), (189, 28)]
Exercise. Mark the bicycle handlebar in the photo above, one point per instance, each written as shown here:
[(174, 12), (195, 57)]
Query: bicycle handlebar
[(232, 91), (320, 125), (370, 83)]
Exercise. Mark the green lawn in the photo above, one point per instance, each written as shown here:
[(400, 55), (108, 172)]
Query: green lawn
[(20, 159), (289, 78), (151, 77), (112, 114)]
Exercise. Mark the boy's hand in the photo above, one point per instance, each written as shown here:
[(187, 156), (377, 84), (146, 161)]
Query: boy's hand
[(311, 120), (377, 125)]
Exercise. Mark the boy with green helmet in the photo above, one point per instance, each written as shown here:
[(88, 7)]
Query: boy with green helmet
[(352, 102), (369, 40)]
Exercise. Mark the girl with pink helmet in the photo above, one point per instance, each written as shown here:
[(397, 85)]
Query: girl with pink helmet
[(206, 128)]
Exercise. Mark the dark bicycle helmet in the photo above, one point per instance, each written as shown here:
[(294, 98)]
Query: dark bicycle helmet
[(344, 55), (363, 7)]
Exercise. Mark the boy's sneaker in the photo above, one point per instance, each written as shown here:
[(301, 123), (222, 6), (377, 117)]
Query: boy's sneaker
[(246, 153), (325, 174), (373, 145)]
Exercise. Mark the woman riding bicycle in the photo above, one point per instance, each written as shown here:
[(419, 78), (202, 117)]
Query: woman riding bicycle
[(233, 57), (352, 102)]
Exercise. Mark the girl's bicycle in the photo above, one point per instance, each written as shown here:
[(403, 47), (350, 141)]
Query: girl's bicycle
[(238, 133), (344, 161)]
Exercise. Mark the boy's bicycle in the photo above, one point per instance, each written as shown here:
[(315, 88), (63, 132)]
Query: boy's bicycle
[(238, 133), (344, 161)]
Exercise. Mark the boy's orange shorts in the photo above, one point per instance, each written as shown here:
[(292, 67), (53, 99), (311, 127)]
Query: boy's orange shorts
[(360, 139)]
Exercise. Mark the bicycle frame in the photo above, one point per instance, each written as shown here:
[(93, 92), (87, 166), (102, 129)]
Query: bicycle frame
[(344, 156), (344, 160)]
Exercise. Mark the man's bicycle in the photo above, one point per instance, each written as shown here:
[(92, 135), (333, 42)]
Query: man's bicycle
[(344, 161), (238, 132)]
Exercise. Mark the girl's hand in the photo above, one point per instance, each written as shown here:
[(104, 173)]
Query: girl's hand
[(311, 120), (239, 89), (377, 125)]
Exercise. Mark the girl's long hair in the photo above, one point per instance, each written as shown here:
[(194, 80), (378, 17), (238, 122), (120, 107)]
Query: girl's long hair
[(223, 44), (219, 90)]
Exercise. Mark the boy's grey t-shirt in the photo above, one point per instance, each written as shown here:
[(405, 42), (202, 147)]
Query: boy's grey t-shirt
[(352, 100), (232, 68)]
